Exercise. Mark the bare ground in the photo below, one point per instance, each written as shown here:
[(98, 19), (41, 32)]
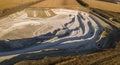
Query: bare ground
[(103, 5)]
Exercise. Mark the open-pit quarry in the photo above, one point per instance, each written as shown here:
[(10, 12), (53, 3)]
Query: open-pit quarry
[(38, 29), (52, 27)]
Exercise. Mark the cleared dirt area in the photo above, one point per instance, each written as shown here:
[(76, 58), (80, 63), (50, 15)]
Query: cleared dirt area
[(103, 5)]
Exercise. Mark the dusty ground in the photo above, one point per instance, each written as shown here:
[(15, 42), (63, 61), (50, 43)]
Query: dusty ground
[(70, 4), (57, 3), (8, 4), (103, 5)]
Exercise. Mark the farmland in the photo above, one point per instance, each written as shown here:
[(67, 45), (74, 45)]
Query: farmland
[(57, 3), (8, 4), (103, 5)]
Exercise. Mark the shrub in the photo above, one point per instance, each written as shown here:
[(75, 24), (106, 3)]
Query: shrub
[(82, 3)]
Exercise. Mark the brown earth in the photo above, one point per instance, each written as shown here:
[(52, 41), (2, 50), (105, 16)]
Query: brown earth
[(108, 57), (103, 5), (70, 4), (57, 3), (12, 3)]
